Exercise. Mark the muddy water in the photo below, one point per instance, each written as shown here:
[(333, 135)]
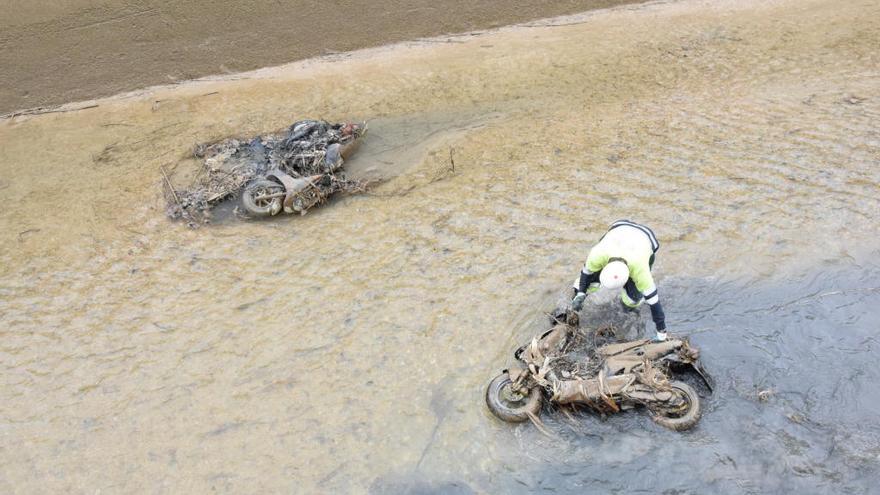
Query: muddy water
[(347, 350)]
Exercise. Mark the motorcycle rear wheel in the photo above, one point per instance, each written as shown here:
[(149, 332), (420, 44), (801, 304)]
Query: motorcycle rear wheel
[(252, 198), (684, 419), (508, 405)]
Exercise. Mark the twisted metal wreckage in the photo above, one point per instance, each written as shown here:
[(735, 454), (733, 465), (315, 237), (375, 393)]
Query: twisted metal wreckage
[(291, 171), (566, 365)]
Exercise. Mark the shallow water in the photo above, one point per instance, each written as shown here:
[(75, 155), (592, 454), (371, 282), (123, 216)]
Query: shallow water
[(808, 340), (348, 350)]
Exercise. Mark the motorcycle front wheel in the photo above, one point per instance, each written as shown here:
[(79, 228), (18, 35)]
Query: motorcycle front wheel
[(511, 406), (683, 418), (262, 198)]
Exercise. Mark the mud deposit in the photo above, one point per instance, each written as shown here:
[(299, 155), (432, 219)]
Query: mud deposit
[(348, 350), (61, 51)]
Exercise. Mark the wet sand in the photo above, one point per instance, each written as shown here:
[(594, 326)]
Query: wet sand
[(58, 52), (347, 351)]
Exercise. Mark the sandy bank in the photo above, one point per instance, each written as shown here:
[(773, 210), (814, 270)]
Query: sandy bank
[(82, 49)]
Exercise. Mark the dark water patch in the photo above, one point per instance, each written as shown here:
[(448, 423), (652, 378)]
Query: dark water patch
[(795, 408), (414, 486)]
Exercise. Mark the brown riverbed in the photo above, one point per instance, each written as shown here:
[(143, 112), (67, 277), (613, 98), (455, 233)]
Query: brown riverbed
[(347, 351), (57, 52)]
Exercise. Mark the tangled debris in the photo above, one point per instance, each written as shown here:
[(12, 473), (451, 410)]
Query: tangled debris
[(291, 171), (574, 348), (567, 366)]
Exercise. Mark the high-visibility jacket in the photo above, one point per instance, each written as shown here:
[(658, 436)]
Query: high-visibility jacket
[(636, 245)]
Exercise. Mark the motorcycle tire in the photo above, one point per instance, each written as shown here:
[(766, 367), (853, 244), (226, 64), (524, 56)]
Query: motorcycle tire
[(690, 417), (265, 207), (505, 407)]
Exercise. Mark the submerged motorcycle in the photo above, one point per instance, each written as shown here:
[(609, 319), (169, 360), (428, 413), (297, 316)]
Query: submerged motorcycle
[(307, 168), (559, 365)]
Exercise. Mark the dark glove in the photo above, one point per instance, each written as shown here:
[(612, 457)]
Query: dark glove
[(578, 301)]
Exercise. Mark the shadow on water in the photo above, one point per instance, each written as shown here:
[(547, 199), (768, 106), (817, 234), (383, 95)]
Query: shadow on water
[(795, 407)]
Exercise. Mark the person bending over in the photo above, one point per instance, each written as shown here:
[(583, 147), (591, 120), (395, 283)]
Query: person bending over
[(622, 259)]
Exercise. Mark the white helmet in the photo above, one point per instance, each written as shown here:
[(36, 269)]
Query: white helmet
[(614, 275)]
